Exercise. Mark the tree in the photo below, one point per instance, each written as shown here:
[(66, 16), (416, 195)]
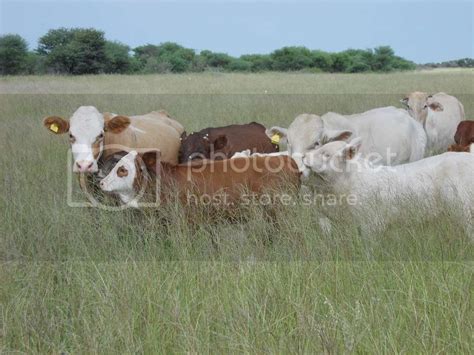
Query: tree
[(216, 60), (383, 58), (74, 51), (291, 58), (117, 58), (167, 57), (321, 60), (259, 62), (13, 54)]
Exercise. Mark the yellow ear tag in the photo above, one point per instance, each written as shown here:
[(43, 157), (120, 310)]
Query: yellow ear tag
[(54, 127), (275, 139)]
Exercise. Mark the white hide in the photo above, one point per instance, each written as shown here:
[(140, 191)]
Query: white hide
[(390, 135), (85, 127), (440, 124), (122, 186), (385, 194)]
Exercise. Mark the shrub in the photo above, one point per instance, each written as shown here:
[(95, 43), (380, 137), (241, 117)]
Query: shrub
[(13, 54)]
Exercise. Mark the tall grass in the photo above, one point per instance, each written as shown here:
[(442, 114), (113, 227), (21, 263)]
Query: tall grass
[(93, 281)]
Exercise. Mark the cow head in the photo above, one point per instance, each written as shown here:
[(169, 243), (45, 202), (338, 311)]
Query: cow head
[(419, 104), (130, 175), (87, 129), (306, 132), (197, 146), (332, 158)]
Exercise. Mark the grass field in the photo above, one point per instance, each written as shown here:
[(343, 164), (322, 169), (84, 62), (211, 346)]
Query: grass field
[(79, 280)]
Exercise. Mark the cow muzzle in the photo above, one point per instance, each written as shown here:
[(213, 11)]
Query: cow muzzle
[(85, 166)]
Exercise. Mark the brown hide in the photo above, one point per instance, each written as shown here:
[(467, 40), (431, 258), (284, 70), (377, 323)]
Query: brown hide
[(155, 130), (223, 142)]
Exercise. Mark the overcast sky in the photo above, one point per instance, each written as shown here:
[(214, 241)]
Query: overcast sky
[(423, 31)]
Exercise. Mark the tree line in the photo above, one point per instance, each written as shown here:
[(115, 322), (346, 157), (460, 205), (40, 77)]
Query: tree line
[(79, 51)]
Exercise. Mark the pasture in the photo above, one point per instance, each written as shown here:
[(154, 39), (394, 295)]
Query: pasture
[(88, 280)]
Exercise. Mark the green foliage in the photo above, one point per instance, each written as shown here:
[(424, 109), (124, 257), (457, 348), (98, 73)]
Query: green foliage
[(291, 58), (86, 51), (166, 57), (74, 51), (216, 60), (259, 62), (459, 63), (118, 58), (13, 54)]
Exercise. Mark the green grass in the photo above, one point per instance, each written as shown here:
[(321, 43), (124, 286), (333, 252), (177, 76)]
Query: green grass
[(91, 281)]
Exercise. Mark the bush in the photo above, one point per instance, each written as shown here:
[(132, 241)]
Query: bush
[(239, 65), (117, 58), (291, 58), (13, 54), (258, 62), (74, 51), (167, 57), (216, 60)]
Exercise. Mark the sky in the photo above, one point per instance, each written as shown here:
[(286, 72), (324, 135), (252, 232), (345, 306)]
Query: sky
[(422, 31)]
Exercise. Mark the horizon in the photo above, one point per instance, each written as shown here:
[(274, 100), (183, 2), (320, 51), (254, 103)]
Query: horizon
[(238, 28)]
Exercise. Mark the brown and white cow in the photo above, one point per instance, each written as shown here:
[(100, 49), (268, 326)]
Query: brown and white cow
[(223, 142), (464, 137), (230, 178), (94, 135)]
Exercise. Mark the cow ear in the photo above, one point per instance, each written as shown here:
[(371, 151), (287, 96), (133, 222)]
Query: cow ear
[(404, 101), (220, 142), (436, 106), (352, 148), (151, 158), (277, 134), (116, 124), (331, 135), (183, 136), (56, 124)]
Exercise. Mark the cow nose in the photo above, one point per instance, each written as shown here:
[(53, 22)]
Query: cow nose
[(84, 165)]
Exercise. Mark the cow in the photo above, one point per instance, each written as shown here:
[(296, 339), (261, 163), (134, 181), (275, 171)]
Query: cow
[(223, 142), (439, 114), (464, 137), (94, 135), (210, 178), (386, 194), (392, 137)]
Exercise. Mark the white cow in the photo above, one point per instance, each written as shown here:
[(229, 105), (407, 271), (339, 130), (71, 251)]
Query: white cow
[(391, 136), (385, 194), (439, 114)]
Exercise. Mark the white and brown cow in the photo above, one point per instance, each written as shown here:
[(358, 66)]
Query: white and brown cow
[(94, 135)]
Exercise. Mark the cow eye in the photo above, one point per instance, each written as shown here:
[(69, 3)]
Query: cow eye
[(100, 136), (71, 137)]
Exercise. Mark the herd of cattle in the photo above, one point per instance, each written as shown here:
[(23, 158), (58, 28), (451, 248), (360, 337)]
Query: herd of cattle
[(387, 155)]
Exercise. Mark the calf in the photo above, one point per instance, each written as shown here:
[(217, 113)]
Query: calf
[(223, 142), (223, 178), (385, 194), (464, 137)]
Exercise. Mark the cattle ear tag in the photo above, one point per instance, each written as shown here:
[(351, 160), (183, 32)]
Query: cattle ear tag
[(54, 127), (276, 139)]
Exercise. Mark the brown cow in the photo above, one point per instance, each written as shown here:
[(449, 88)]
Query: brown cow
[(464, 137), (222, 181), (223, 142)]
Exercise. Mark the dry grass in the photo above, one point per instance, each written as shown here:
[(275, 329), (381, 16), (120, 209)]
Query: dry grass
[(92, 281)]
